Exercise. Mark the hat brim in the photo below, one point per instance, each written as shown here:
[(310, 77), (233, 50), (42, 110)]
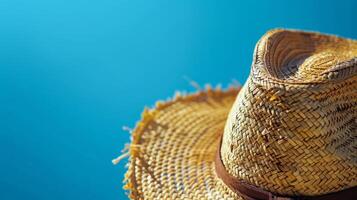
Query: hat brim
[(173, 148)]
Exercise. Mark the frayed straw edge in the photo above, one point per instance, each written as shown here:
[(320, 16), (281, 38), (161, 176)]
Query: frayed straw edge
[(132, 150)]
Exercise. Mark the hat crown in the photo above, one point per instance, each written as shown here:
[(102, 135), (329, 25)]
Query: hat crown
[(295, 57), (293, 126)]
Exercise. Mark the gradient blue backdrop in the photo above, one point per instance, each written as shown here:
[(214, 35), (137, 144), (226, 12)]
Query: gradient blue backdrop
[(73, 72)]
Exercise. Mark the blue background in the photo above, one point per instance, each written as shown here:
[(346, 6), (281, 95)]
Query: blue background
[(73, 72)]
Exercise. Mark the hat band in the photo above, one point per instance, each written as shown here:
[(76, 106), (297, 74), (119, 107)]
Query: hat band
[(250, 192)]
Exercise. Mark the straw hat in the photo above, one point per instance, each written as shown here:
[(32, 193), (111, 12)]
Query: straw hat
[(289, 133)]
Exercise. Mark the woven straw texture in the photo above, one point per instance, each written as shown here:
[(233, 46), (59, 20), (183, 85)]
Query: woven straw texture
[(291, 129), (174, 145)]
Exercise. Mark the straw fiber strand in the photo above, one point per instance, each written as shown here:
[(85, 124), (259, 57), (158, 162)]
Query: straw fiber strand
[(174, 146)]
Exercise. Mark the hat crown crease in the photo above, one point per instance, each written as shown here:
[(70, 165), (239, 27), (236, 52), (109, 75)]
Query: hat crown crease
[(295, 57), (292, 128)]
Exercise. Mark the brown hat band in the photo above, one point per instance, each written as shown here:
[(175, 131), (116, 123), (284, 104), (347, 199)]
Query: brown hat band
[(250, 192)]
